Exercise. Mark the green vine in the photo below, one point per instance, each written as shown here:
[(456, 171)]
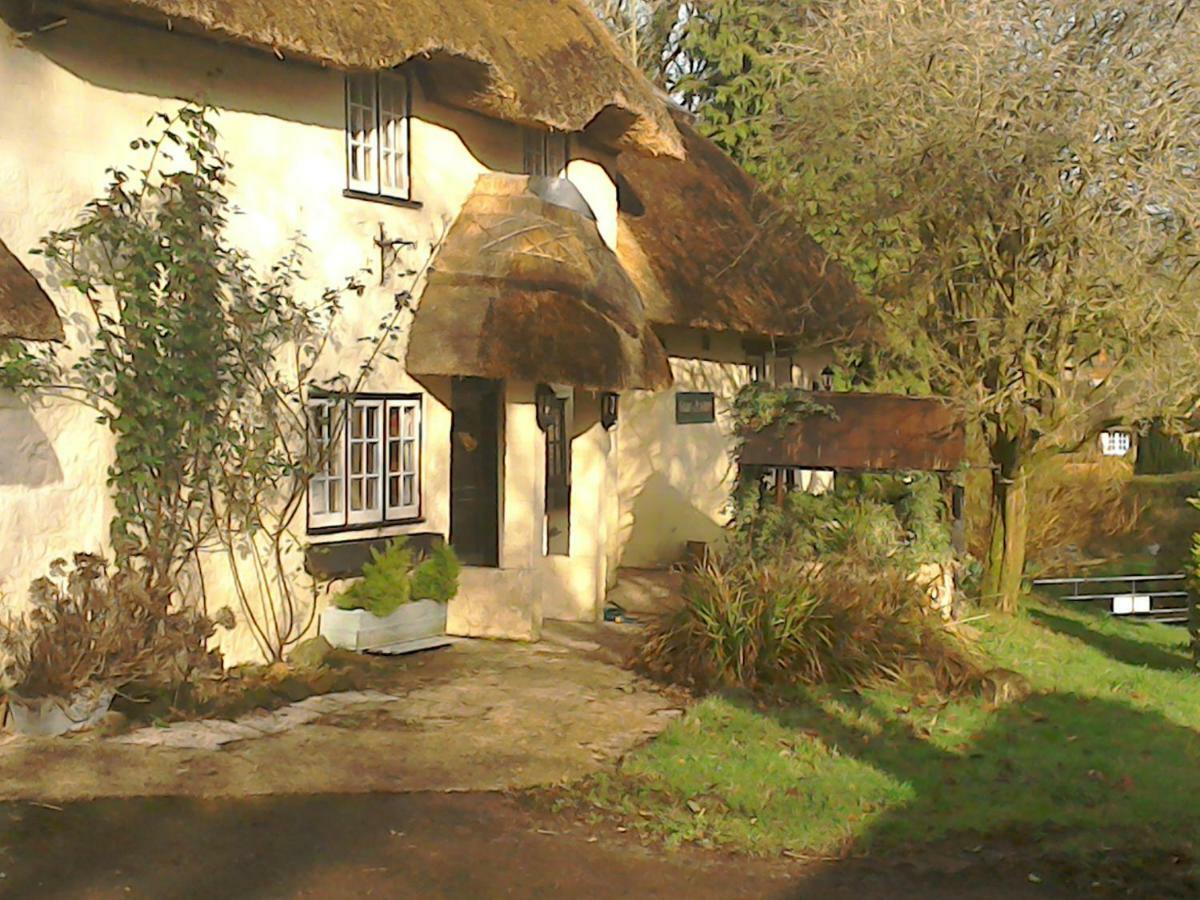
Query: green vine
[(757, 407)]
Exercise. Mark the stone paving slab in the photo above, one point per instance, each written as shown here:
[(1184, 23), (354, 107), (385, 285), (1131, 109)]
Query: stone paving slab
[(213, 734)]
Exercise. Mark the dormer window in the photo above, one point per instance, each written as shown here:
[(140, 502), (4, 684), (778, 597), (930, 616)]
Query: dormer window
[(545, 153), (377, 134)]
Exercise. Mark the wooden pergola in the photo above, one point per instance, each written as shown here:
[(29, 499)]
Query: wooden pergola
[(870, 433)]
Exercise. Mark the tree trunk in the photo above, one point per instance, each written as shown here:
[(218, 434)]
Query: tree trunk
[(1005, 564)]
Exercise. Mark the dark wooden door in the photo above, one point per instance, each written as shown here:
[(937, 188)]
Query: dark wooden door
[(475, 471)]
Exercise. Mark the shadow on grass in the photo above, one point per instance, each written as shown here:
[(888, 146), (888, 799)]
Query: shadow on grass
[(1121, 649), (1102, 790)]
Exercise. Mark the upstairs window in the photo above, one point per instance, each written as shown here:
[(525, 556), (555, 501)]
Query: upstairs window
[(377, 134), (545, 153), (368, 461)]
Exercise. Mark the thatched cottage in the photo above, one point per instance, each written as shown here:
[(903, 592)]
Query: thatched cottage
[(603, 277)]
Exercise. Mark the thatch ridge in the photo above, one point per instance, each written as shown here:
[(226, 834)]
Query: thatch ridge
[(526, 290), (26, 311), (549, 63), (710, 249)]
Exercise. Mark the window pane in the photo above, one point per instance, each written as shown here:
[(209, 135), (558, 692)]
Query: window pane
[(403, 458), (393, 138), (361, 136)]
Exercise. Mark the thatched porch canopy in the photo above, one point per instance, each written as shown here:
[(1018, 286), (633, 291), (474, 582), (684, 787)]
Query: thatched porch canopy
[(26, 311), (549, 63), (524, 288), (711, 250), (868, 433)]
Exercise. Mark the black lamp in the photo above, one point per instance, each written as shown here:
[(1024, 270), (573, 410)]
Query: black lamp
[(544, 398), (609, 401)]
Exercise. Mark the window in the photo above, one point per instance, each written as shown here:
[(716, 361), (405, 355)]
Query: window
[(1116, 443), (377, 134), (558, 481), (367, 459), (775, 369), (545, 153)]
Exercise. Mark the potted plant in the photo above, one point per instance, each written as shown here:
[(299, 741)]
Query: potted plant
[(395, 604), (88, 634)]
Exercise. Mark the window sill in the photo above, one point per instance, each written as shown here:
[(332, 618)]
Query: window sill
[(330, 530), (351, 194)]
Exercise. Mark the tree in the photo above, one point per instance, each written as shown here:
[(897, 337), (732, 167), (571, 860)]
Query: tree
[(1014, 181), (648, 32)]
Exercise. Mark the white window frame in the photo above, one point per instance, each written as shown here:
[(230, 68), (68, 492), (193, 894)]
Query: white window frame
[(364, 451), (547, 153), (403, 470), (361, 461), (324, 424), (378, 134), (1116, 443)]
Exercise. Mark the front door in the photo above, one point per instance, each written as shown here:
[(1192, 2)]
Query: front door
[(475, 471)]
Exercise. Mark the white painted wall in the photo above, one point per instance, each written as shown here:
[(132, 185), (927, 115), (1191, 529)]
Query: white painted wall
[(675, 480), (70, 103)]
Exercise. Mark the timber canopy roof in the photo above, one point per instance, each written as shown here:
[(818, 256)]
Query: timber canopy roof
[(549, 63), (710, 249), (865, 433), (26, 311), (525, 288)]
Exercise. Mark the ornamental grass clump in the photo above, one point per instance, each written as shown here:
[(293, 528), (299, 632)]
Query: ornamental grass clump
[(832, 604)]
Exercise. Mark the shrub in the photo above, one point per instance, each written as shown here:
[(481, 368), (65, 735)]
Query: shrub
[(436, 578), (386, 584), (754, 624), (819, 590), (88, 626)]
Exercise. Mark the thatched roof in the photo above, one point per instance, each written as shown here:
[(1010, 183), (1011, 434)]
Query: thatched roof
[(710, 249), (550, 63), (25, 310), (526, 289)]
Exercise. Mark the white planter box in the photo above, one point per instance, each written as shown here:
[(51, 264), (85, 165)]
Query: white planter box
[(357, 629)]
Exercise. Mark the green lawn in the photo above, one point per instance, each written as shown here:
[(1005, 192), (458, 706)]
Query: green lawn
[(1104, 753)]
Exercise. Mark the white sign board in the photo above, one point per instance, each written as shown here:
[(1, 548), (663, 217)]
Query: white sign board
[(1125, 604)]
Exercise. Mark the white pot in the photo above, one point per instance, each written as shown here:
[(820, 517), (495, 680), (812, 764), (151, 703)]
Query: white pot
[(52, 716), (358, 629)]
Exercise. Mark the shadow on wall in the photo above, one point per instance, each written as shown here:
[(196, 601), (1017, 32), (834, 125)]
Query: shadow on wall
[(28, 458), (664, 519), (175, 66)]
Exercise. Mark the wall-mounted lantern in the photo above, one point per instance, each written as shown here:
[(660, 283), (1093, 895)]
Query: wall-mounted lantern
[(545, 400), (827, 379), (609, 401)]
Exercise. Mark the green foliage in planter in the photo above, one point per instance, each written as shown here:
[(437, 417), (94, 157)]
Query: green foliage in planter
[(436, 577), (386, 584)]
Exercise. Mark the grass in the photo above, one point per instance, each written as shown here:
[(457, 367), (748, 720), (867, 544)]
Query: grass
[(1105, 752)]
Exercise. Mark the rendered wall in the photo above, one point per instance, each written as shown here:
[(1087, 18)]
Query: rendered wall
[(675, 480), (94, 83)]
